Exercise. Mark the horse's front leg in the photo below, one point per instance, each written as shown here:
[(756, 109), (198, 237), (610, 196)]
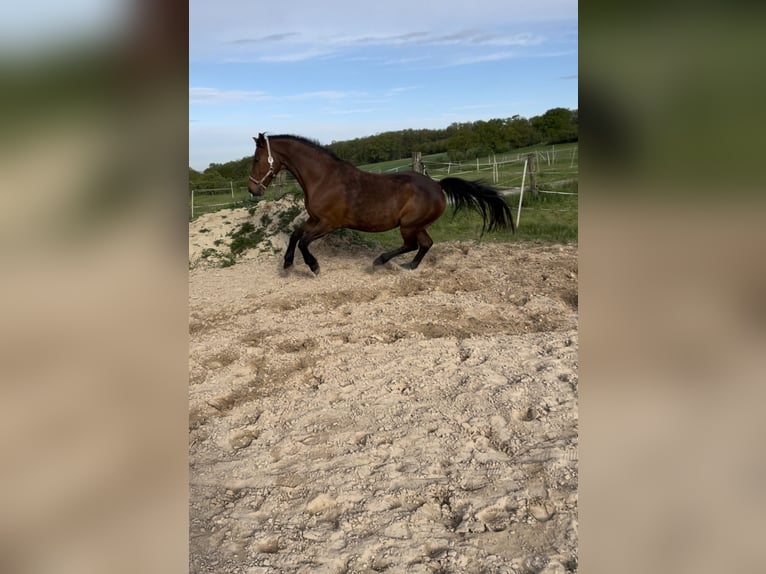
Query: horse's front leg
[(301, 238), (295, 236), (313, 229)]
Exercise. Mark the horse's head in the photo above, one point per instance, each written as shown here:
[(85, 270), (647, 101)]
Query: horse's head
[(265, 166)]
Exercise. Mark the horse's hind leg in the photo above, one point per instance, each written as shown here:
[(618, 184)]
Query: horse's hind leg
[(410, 244), (385, 257), (424, 244)]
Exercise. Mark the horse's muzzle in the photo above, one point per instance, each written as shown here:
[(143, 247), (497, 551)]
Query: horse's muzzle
[(256, 189)]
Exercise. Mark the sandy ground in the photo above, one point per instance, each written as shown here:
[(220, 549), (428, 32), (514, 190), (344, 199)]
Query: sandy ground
[(395, 420)]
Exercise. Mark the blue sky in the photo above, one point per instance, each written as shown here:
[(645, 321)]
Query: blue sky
[(342, 69)]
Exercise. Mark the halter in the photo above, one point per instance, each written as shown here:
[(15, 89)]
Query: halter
[(259, 182)]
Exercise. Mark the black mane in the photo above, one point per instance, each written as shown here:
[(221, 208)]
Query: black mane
[(309, 142)]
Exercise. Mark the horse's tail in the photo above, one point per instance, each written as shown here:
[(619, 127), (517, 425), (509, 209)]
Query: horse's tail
[(477, 195)]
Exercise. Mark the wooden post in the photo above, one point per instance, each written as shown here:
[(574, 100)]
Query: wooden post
[(231, 185), (417, 162), (192, 204), (521, 192), (532, 160)]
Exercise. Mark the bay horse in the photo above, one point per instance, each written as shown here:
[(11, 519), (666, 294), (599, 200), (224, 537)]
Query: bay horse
[(338, 195)]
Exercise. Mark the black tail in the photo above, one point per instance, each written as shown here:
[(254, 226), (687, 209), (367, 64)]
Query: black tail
[(485, 199)]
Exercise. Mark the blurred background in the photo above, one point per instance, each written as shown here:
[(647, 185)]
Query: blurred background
[(672, 285), (93, 336), (93, 146)]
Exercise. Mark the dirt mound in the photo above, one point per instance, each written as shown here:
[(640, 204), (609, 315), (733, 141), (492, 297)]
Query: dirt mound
[(359, 421), (213, 237)]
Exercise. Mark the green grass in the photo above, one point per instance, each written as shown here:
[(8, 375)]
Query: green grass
[(546, 217), (209, 202), (388, 166)]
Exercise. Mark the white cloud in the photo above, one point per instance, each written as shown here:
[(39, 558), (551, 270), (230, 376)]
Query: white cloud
[(208, 95), (325, 95), (478, 59), (265, 39), (203, 95), (352, 111), (294, 56), (393, 17), (523, 39), (460, 37), (300, 30), (400, 90), (406, 61)]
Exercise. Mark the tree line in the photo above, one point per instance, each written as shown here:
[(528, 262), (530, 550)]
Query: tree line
[(458, 141)]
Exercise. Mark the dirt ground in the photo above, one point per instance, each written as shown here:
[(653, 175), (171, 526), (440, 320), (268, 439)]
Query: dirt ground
[(395, 420)]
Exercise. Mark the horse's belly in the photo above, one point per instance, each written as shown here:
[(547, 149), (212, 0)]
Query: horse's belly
[(374, 217)]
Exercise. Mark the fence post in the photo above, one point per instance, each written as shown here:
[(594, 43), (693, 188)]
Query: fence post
[(532, 159), (231, 185), (417, 162), (521, 193), (192, 204)]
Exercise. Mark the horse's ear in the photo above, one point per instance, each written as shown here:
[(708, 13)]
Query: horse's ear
[(260, 138), (255, 139)]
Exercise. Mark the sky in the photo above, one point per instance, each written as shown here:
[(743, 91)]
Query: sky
[(342, 69)]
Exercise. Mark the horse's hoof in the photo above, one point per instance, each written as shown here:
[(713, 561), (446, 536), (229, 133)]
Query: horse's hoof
[(314, 269), (287, 265)]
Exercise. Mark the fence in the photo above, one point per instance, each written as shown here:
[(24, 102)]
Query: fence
[(214, 198), (566, 155), (562, 161), (537, 171)]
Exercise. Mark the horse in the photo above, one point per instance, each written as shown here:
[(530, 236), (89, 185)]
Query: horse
[(338, 195)]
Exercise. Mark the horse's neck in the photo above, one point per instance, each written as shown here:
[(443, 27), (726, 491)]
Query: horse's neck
[(304, 162)]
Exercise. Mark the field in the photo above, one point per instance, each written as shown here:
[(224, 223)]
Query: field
[(401, 421)]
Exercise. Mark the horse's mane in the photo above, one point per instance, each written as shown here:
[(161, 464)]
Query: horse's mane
[(311, 143)]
